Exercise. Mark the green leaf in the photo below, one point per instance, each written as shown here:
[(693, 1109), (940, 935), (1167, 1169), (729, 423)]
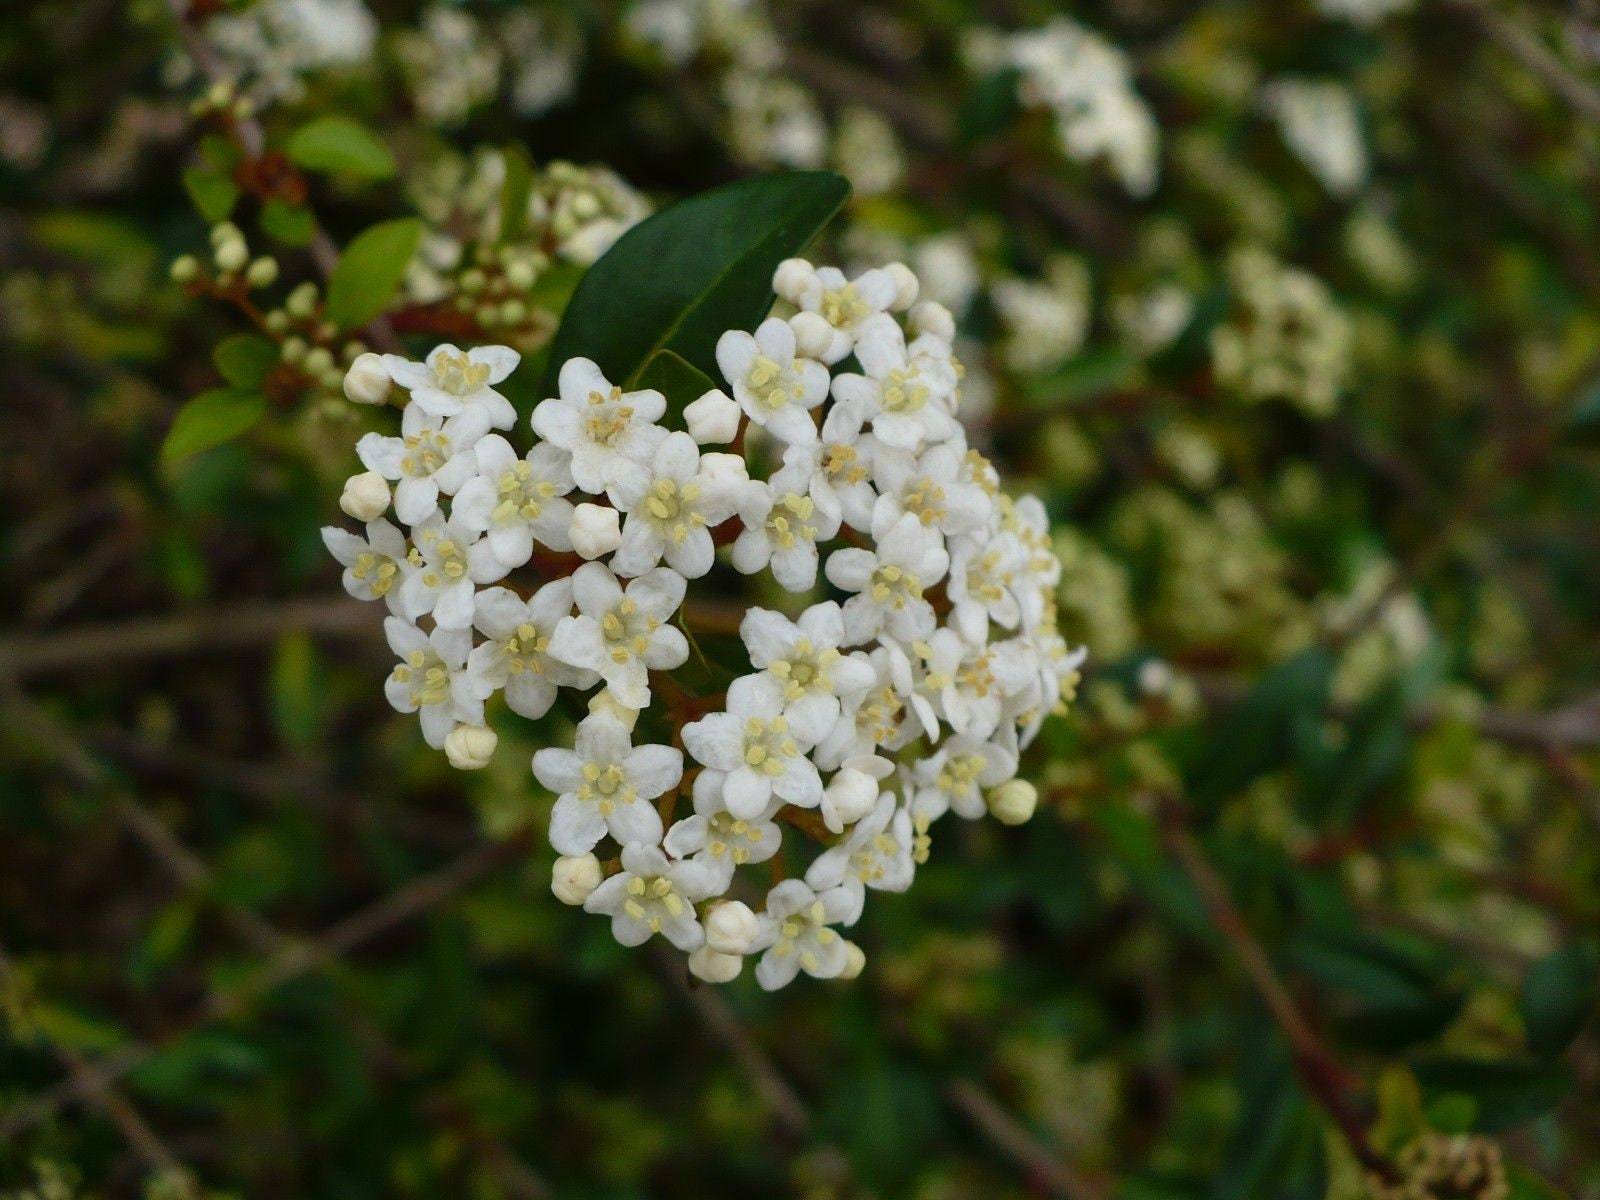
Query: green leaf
[(1507, 1091), (514, 192), (297, 690), (1558, 996), (1525, 1185), (211, 419), (680, 382), (684, 276), (245, 358), (989, 107), (340, 146), (288, 223), (213, 194), (1255, 736), (369, 271)]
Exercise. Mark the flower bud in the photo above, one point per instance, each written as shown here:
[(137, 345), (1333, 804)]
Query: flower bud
[(855, 958), (573, 877), (185, 269), (470, 747), (302, 302), (596, 530), (1013, 803), (849, 796), (731, 928), (931, 317), (262, 273), (812, 334), (367, 381), (365, 496), (231, 255), (905, 286), (724, 469), (318, 361), (712, 418), (791, 278), (605, 703), (713, 967)]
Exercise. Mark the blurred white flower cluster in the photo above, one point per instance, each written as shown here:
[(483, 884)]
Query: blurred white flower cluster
[(858, 720), (271, 46), (1087, 84), (1320, 125)]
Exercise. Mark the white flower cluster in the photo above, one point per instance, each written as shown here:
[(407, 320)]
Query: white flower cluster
[(1087, 84), (860, 719), (270, 47)]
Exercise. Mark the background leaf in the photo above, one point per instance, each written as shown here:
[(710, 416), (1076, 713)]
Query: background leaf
[(342, 146), (211, 419), (369, 271)]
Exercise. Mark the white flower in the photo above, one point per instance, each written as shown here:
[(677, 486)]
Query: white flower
[(652, 895), (982, 577), (431, 455), (453, 559), (596, 530), (907, 392), (955, 777), (931, 487), (365, 496), (775, 389), (845, 304), (605, 785), (516, 655), (878, 718), (623, 635), (838, 468), (968, 683), (450, 381), (795, 929), (375, 567), (671, 516), (877, 855), (470, 747), (515, 500), (853, 791), (431, 679), (803, 660), (712, 419), (573, 877), (609, 433), (718, 840), (889, 582), (753, 743), (782, 524)]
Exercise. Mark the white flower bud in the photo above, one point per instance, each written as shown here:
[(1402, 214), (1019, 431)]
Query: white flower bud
[(712, 418), (470, 747), (596, 530), (367, 381), (232, 254), (185, 269), (573, 877), (812, 334), (855, 958), (262, 273), (707, 964), (850, 795), (1013, 803), (906, 286), (603, 702), (724, 469), (731, 928), (365, 496), (931, 317), (791, 278)]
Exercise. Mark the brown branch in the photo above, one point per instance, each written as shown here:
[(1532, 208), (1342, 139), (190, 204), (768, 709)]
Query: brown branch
[(1007, 1135), (1533, 54)]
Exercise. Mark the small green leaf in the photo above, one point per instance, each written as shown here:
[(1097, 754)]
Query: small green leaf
[(288, 223), (211, 419), (681, 278), (1454, 1112), (1525, 1185), (340, 146), (680, 382), (245, 358), (514, 192), (1558, 996), (1507, 1091), (214, 194), (369, 271)]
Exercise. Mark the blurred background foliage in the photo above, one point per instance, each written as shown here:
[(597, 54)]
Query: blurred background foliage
[(1286, 307)]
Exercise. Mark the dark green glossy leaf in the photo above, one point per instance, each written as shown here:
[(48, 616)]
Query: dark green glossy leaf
[(1508, 1092), (369, 272), (680, 382), (1558, 996)]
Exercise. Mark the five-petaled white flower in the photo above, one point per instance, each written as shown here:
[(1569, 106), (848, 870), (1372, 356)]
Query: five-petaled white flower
[(609, 433), (432, 455), (838, 468), (845, 304), (906, 390), (957, 776), (877, 855), (623, 635), (450, 381), (776, 389), (376, 566), (889, 581), (517, 500), (981, 586), (716, 838), (652, 894), (516, 654), (605, 785), (432, 678), (802, 658), (753, 743), (968, 684), (451, 561), (929, 485), (671, 517), (782, 524), (797, 937)]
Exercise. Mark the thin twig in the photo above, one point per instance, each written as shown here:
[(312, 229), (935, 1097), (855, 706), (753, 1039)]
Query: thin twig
[(1007, 1135), (1533, 54)]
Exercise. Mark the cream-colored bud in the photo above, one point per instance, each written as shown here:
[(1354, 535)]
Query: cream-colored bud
[(714, 418), (367, 381), (470, 747), (792, 277), (365, 496), (724, 469), (231, 255), (521, 274), (604, 703), (812, 334), (225, 231), (713, 967), (185, 269), (302, 302), (850, 795), (262, 273), (906, 286), (1013, 803), (318, 361), (933, 318), (573, 877), (855, 958), (596, 530), (731, 928)]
